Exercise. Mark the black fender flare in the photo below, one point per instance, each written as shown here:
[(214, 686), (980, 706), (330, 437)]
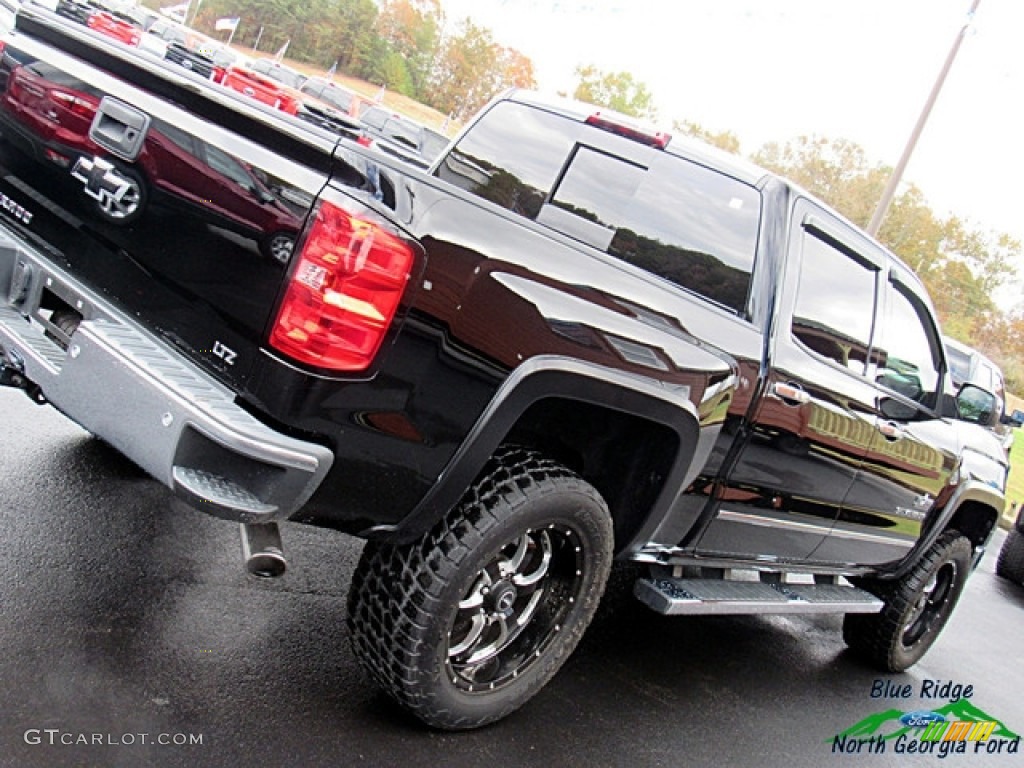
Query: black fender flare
[(969, 491), (550, 376)]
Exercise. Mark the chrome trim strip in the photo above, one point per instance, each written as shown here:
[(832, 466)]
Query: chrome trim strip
[(831, 530), (761, 521)]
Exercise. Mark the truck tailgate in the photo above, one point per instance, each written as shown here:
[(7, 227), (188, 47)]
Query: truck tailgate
[(176, 200)]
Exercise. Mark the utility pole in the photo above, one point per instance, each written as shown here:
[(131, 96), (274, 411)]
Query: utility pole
[(901, 166)]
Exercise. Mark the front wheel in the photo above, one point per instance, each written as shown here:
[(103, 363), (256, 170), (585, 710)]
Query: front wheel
[(465, 625), (916, 608)]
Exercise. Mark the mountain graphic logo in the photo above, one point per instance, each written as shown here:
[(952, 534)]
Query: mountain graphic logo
[(887, 725)]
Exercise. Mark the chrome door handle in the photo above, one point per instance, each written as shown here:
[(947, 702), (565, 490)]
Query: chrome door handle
[(890, 430), (791, 394)]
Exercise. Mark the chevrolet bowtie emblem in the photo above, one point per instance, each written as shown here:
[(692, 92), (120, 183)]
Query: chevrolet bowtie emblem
[(102, 180)]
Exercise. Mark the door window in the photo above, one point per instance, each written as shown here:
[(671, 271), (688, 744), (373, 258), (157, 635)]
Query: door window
[(908, 353), (835, 302)]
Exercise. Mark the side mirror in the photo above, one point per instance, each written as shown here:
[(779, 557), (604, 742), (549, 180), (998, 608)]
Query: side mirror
[(977, 406), (897, 410)]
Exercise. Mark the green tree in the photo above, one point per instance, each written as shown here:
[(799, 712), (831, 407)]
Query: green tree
[(615, 90), (411, 31), (725, 140), (835, 170), (393, 71), (961, 267), (471, 68), (317, 31)]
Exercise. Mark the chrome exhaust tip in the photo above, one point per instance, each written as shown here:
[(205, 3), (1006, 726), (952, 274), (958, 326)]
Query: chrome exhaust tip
[(262, 550)]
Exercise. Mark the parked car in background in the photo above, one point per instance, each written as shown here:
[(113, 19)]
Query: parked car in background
[(207, 59), (968, 365), (278, 86), (127, 32), (285, 75), (402, 136), (263, 89), (76, 10), (162, 33), (8, 10), (347, 101)]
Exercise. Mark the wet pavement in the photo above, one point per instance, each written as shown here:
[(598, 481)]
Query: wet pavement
[(126, 621)]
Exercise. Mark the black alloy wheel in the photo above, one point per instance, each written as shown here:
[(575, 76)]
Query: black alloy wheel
[(466, 624)]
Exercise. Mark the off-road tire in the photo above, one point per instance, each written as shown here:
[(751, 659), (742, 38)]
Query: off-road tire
[(412, 608), (1010, 564), (916, 609)]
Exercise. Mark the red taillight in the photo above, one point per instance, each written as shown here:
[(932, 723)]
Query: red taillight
[(364, 141), (56, 157), (343, 293), (74, 103)]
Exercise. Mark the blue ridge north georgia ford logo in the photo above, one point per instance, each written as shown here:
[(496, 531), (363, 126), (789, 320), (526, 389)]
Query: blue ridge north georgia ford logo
[(957, 727)]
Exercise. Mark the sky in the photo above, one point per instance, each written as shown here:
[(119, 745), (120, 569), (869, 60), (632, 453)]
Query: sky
[(773, 70)]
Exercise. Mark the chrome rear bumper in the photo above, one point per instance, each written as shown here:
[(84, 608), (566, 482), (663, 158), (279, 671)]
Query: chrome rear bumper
[(154, 405)]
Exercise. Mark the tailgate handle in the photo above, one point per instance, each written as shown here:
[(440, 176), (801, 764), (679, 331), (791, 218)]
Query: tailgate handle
[(119, 128)]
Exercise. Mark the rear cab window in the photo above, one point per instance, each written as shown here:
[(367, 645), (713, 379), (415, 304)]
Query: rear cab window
[(674, 218)]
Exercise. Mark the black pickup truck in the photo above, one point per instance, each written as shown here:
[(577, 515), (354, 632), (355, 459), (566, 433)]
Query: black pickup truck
[(569, 341)]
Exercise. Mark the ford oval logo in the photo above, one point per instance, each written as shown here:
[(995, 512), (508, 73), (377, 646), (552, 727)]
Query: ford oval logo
[(921, 718)]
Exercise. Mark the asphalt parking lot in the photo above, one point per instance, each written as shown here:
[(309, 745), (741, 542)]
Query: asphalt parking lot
[(126, 621)]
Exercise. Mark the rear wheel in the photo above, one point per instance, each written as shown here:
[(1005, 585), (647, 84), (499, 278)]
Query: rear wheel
[(278, 247), (466, 624), (916, 609), (1010, 564)]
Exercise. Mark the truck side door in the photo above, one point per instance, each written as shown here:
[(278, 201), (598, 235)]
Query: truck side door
[(913, 451), (816, 419)]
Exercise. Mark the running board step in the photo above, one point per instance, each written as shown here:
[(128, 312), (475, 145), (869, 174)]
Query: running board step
[(719, 596)]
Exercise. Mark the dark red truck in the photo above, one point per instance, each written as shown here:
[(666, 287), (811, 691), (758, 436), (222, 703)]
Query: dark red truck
[(570, 340)]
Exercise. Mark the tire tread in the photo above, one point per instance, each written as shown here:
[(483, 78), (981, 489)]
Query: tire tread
[(396, 588), (1010, 563), (876, 637)]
